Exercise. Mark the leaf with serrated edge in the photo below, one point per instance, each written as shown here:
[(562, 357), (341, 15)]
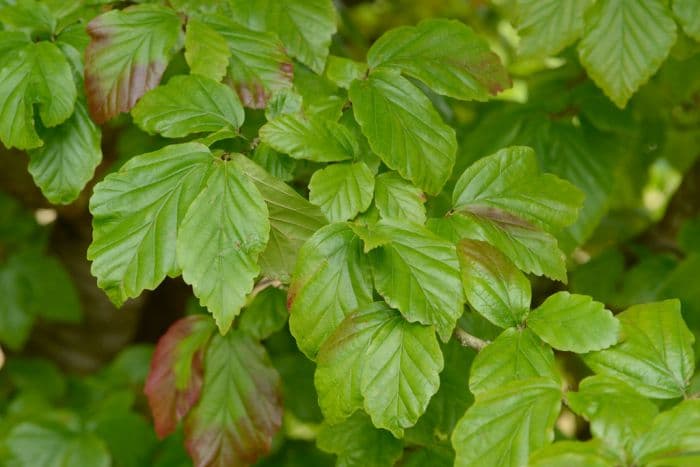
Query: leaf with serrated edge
[(225, 230), (305, 27), (331, 279), (446, 55), (674, 436), (128, 52), (493, 286), (506, 424), (574, 323), (417, 272), (655, 353), (624, 43), (342, 190), (175, 380), (592, 453), (33, 73), (206, 51), (137, 213), (516, 354), (314, 139), (400, 373), (404, 129), (67, 161), (399, 199), (292, 220), (546, 27), (188, 104), (240, 408)]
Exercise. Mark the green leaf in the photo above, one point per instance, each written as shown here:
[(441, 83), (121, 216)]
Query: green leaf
[(418, 273), (321, 97), (265, 315), (240, 408), (546, 27), (36, 73), (506, 424), (655, 355), (225, 230), (617, 413), (67, 160), (343, 71), (129, 438), (277, 164), (16, 318), (494, 287), (574, 323), (28, 15), (341, 359), (624, 44), (357, 443), (590, 453), (342, 190), (396, 198), (206, 51), (258, 65), (509, 180), (446, 55), (687, 13), (331, 280), (304, 26), (673, 439), (400, 373), (404, 129), (128, 52), (311, 138), (292, 220), (515, 355), (529, 248), (137, 213), (188, 104)]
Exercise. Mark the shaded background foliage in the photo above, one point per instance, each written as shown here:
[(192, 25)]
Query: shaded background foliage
[(637, 238)]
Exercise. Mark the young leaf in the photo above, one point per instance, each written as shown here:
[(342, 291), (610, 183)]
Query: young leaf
[(32, 73), (206, 51), (617, 413), (509, 181), (446, 55), (515, 355), (128, 53), (305, 27), (546, 27), (225, 230), (574, 323), (625, 43), (312, 138), (655, 355), (673, 439), (68, 158), (400, 373), (341, 359), (188, 104), (240, 408), (505, 425), (292, 220), (357, 443), (258, 65), (687, 13), (396, 198), (137, 213), (418, 273), (342, 190), (494, 287), (590, 453), (175, 379), (265, 315), (410, 137), (331, 280)]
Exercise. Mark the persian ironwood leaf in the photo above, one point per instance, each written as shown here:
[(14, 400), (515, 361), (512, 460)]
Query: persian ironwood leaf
[(342, 190)]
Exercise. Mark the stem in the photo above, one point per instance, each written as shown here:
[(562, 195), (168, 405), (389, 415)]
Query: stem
[(467, 340), (262, 285)]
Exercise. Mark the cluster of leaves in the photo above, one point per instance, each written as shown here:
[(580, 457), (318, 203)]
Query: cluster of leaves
[(302, 190)]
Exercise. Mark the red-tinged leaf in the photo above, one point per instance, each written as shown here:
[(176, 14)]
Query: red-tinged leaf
[(175, 380), (128, 52), (240, 408)]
